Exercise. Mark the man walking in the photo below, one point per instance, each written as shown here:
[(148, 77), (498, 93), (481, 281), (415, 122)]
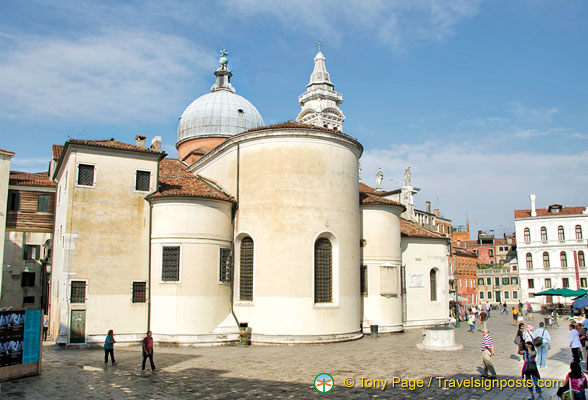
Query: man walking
[(574, 342), (147, 345), (488, 308), (487, 348), (545, 346)]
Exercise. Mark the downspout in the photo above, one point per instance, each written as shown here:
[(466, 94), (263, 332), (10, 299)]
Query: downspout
[(234, 216), (149, 249)]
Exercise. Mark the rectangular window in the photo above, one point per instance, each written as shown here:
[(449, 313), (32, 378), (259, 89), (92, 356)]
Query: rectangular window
[(531, 283), (583, 282), (547, 283), (28, 299), (43, 203), (515, 294), (85, 175), (488, 281), (27, 279), (170, 264), (565, 282), (480, 281), (506, 281), (496, 281), (514, 280), (363, 280), (142, 181), (246, 270), (389, 281), (139, 292), (489, 295), (31, 252), (481, 295), (13, 201), (225, 265), (506, 294), (78, 292), (491, 252)]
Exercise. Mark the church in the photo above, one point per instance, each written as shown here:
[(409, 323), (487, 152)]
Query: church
[(268, 227)]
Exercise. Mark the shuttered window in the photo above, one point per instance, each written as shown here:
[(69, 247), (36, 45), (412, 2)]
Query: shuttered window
[(246, 270), (43, 203), (170, 264), (323, 271)]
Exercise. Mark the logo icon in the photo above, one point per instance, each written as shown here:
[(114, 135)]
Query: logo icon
[(324, 383)]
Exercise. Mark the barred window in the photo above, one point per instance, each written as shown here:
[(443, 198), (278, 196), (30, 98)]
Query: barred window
[(43, 203), (433, 279), (170, 264), (546, 260), (563, 259), (78, 292), (139, 292), (363, 280), (246, 270), (142, 180), (86, 175), (323, 271), (225, 265)]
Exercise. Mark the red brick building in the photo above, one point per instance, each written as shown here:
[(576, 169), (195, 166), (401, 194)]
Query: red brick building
[(466, 267)]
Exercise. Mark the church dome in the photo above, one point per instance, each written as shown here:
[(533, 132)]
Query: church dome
[(219, 113)]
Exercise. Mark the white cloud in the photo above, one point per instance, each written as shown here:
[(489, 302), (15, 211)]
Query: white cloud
[(532, 115), (488, 185), (110, 76), (397, 23), (29, 164)]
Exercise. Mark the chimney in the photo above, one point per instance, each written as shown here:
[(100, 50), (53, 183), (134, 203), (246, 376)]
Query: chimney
[(428, 206), (156, 143), (140, 140), (468, 226), (533, 210), (436, 212)]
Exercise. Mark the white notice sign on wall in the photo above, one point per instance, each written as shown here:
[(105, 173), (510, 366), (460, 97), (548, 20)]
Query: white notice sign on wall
[(416, 280)]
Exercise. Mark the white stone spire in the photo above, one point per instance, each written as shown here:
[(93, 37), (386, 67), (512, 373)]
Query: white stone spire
[(320, 103)]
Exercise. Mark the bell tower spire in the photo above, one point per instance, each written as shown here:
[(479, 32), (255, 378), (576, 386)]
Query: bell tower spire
[(320, 103)]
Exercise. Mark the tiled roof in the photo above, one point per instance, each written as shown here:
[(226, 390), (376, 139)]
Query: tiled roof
[(6, 151), (30, 179), (368, 195), (175, 181), (56, 151), (460, 251), (412, 229), (114, 144), (544, 212), (294, 125)]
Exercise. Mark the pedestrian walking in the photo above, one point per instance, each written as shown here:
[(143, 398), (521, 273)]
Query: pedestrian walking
[(529, 312), (582, 334), (472, 322), (575, 381), (147, 346), (528, 335), (109, 347), (515, 316), (520, 308), (574, 342), (483, 318), (530, 370), (518, 339), (488, 308), (545, 345), (45, 326), (487, 348)]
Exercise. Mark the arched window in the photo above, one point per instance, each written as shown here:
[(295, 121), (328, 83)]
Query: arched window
[(433, 281), (246, 270), (323, 271), (546, 260), (564, 259), (578, 232), (543, 234), (560, 233), (581, 260), (529, 261), (527, 235)]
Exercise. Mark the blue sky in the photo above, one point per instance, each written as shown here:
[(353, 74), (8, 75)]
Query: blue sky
[(485, 100)]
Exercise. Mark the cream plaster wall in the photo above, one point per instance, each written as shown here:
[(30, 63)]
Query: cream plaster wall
[(198, 303), (104, 239), (4, 179), (381, 232), (419, 256)]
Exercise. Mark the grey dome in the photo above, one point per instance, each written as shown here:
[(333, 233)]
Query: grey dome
[(221, 112)]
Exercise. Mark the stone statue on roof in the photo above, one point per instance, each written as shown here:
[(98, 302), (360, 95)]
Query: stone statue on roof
[(407, 176), (379, 179)]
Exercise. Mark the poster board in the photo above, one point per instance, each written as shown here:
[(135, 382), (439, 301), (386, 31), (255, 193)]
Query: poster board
[(20, 343)]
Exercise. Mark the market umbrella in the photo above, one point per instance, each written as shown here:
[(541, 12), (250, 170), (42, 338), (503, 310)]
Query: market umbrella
[(580, 302), (564, 292), (549, 292)]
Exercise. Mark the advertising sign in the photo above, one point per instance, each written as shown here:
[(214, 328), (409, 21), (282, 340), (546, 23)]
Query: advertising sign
[(19, 337)]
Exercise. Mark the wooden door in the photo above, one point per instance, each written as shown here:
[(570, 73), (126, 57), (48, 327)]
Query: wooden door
[(77, 325)]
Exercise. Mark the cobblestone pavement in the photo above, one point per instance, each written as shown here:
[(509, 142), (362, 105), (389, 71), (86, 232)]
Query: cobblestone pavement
[(288, 372)]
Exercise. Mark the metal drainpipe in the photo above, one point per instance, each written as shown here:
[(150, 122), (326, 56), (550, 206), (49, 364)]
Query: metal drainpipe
[(149, 248), (403, 291), (234, 216)]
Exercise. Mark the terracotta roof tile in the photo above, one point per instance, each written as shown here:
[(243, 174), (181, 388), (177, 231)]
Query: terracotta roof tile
[(544, 212), (460, 251), (294, 125), (30, 179), (56, 151), (6, 151), (114, 144), (368, 195), (412, 229), (175, 181)]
